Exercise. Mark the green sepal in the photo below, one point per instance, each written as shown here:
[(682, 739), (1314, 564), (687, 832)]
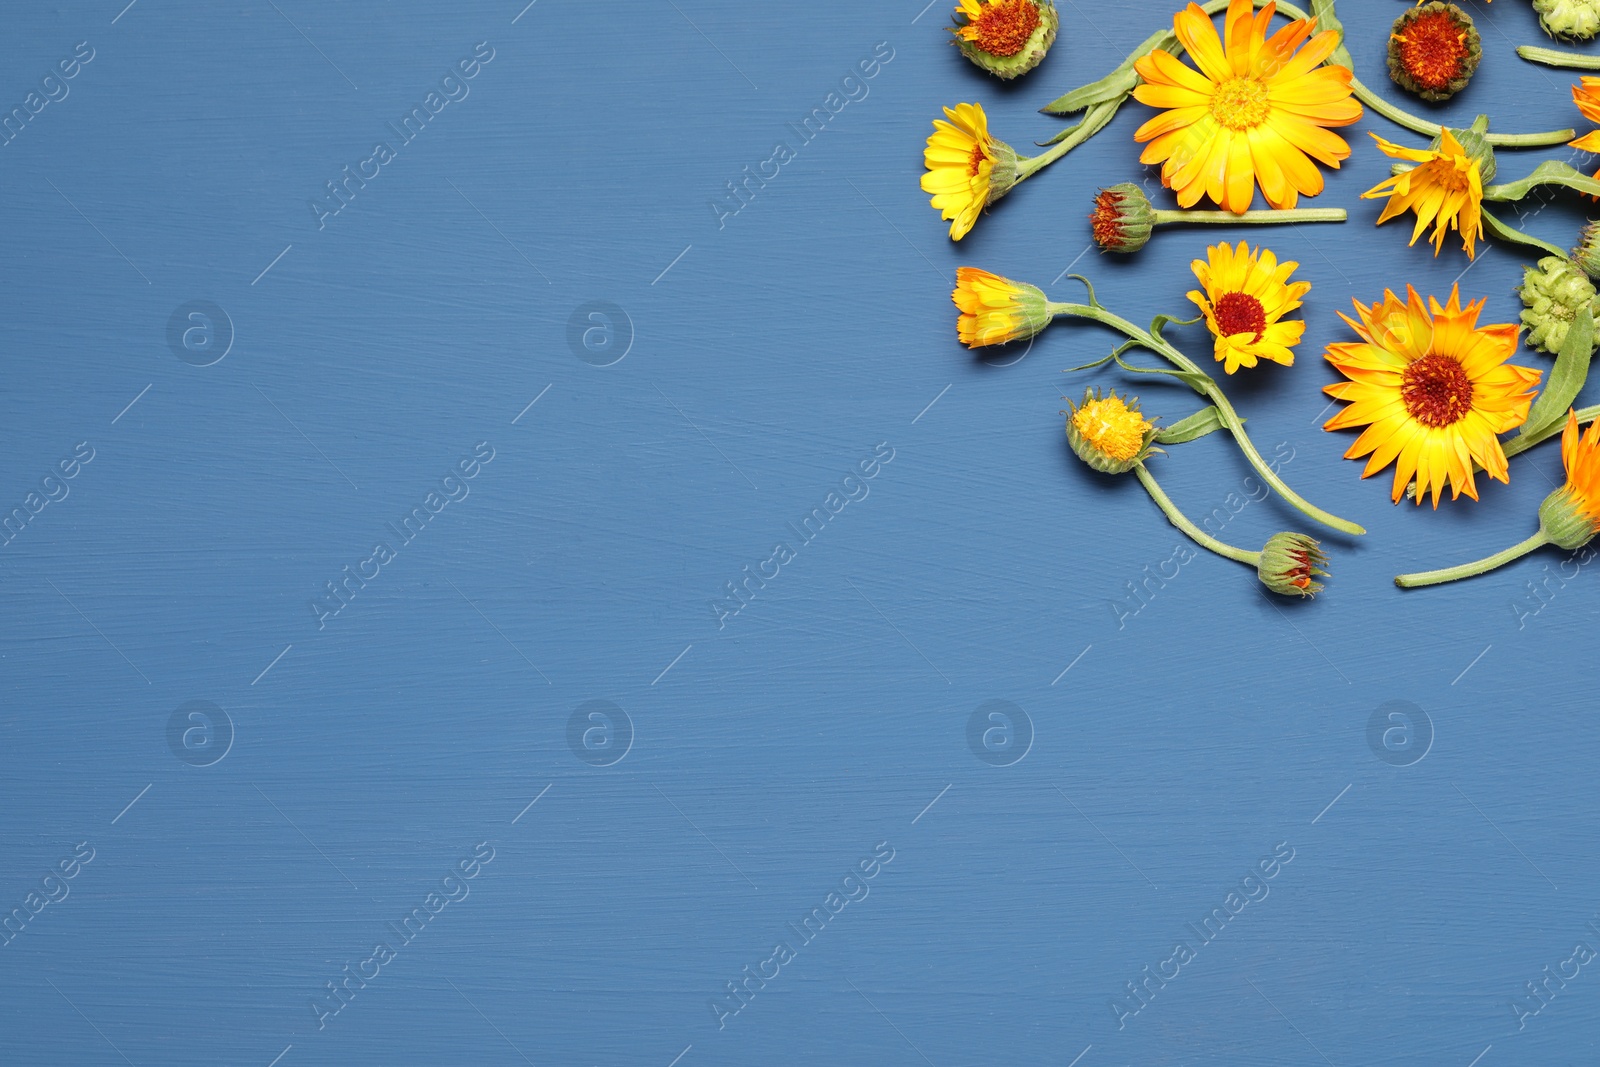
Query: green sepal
[(1566, 377), (1550, 172), (1206, 420)]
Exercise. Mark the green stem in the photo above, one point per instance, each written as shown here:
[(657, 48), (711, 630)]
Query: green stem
[(1494, 227), (1091, 123), (1432, 129), (1469, 570), (1181, 521), (1523, 442), (1302, 214), (1551, 58), (1202, 384)]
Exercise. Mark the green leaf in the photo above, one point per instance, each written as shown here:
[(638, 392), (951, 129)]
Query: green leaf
[(1206, 420), (1091, 366), (1162, 320), (1322, 11), (1495, 228), (1550, 172), (1087, 284), (1113, 87), (1195, 380), (1566, 377)]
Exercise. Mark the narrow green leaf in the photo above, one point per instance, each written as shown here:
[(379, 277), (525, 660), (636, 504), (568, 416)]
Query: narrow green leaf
[(1193, 379), (1162, 320), (1206, 420), (1550, 172), (1566, 377)]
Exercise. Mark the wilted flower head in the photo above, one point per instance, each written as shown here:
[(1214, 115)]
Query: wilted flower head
[(1433, 50), (1007, 38)]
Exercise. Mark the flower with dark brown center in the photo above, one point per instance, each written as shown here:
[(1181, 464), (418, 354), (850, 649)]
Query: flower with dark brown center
[(1433, 50)]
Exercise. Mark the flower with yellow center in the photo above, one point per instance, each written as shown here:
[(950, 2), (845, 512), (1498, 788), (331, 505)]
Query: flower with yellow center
[(1445, 188), (1256, 111), (1108, 433), (1246, 295), (1433, 390), (1007, 38), (966, 168), (996, 310)]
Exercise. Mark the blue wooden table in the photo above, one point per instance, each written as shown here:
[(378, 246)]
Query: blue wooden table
[(509, 564)]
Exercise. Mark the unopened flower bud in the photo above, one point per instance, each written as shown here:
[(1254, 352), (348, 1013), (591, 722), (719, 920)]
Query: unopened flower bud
[(1122, 218), (1569, 20), (1553, 292), (1290, 565)]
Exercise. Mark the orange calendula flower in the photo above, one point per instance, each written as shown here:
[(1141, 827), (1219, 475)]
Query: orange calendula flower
[(967, 168), (1581, 457), (1433, 390), (996, 310), (1246, 295), (1445, 188), (1007, 38), (1586, 95), (1433, 50), (1257, 110)]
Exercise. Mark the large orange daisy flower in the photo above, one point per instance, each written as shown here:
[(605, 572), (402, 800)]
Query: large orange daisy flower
[(1433, 390), (1255, 112)]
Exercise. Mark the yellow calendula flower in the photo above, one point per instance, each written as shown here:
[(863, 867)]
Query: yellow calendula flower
[(1257, 110), (1433, 390), (1109, 433), (996, 310), (967, 169), (1586, 95), (1445, 189), (1246, 296), (1007, 38)]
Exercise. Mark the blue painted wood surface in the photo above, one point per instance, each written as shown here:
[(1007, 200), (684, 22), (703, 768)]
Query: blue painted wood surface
[(270, 789)]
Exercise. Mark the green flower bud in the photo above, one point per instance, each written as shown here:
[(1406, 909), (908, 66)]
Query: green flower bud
[(1475, 142), (1434, 50), (1122, 218), (1587, 254), (1003, 178), (1290, 565), (1007, 38), (1569, 20), (1110, 433), (1563, 521), (1553, 292)]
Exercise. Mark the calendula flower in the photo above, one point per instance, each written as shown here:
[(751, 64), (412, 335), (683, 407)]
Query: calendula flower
[(1123, 217), (996, 310), (1553, 292), (1007, 38), (1586, 94), (1569, 20), (1256, 111), (1445, 189), (967, 168), (1433, 50), (1290, 565), (1568, 518), (1109, 433), (1433, 390), (1246, 295)]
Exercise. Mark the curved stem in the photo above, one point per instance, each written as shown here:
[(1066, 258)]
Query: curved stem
[(1302, 214), (1091, 123), (1469, 570), (1181, 521), (1202, 384), (1523, 442), (1551, 58), (1496, 228)]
